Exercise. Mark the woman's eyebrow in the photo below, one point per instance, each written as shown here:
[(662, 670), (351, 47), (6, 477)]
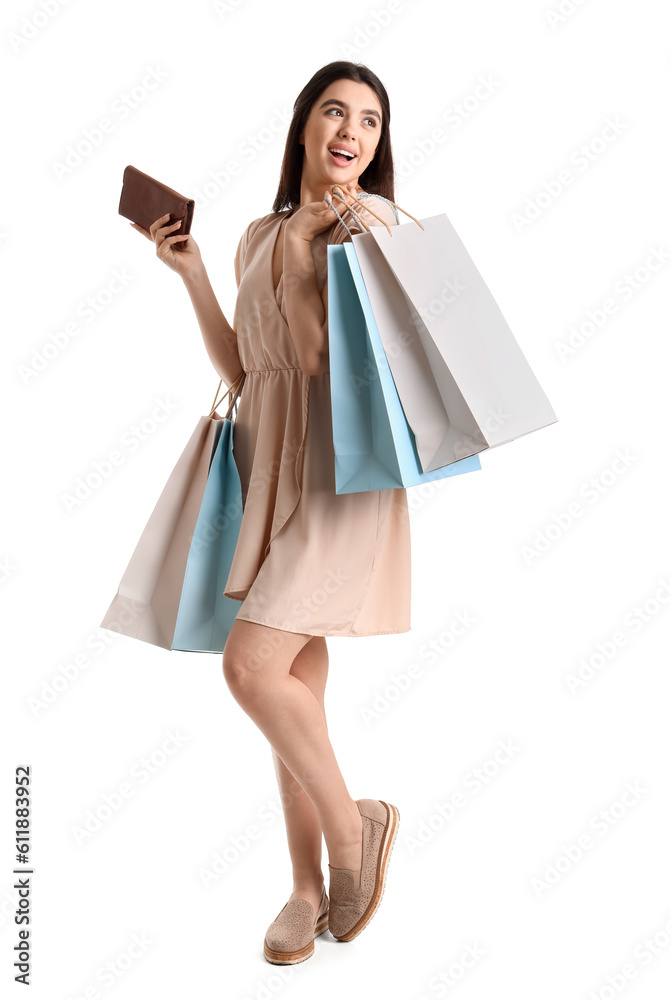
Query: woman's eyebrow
[(341, 104)]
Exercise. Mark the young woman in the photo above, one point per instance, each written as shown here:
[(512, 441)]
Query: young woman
[(309, 562)]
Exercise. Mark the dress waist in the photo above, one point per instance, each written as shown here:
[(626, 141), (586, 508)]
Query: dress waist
[(290, 368), (264, 371)]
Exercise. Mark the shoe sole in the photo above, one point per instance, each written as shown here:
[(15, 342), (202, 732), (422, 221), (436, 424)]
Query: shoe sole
[(293, 957), (388, 838)]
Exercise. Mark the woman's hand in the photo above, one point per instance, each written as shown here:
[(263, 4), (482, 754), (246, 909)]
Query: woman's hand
[(316, 216), (185, 261)]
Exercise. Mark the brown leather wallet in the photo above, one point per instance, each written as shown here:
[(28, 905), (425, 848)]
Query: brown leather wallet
[(144, 200)]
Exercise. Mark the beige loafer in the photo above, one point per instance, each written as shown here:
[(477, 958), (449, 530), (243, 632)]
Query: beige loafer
[(291, 936), (355, 895)]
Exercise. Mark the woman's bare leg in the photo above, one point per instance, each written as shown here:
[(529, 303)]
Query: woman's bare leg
[(304, 832), (257, 666)]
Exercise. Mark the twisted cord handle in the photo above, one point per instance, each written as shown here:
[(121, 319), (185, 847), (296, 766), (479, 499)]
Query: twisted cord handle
[(339, 217), (233, 392), (366, 194)]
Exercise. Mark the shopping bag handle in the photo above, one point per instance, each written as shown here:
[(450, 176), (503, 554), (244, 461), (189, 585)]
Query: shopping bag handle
[(355, 214), (233, 392)]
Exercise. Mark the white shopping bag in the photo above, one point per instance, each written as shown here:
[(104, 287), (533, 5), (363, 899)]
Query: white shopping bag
[(462, 379)]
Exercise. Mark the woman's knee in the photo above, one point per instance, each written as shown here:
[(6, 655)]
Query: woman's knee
[(255, 652), (241, 668)]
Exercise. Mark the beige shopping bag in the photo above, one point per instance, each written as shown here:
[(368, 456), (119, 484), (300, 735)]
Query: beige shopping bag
[(147, 601)]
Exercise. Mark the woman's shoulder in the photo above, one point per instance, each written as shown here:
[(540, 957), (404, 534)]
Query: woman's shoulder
[(256, 224), (254, 227)]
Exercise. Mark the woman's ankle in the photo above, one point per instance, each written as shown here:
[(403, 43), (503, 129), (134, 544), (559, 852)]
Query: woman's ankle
[(308, 879), (347, 852), (347, 833)]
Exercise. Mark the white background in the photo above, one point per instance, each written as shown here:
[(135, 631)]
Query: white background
[(555, 84)]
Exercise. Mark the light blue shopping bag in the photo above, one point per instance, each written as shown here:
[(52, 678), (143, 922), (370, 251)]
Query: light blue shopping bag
[(205, 616), (374, 445)]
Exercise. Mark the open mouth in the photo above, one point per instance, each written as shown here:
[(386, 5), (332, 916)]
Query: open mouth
[(340, 156)]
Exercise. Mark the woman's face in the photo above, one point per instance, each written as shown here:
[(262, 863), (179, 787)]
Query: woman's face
[(347, 115)]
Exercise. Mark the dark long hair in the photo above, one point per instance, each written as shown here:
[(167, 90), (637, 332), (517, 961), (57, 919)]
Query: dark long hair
[(377, 178)]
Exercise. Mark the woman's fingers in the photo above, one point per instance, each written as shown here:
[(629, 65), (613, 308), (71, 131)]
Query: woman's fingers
[(173, 239), (172, 225), (157, 229), (164, 236), (153, 229), (141, 230), (162, 231)]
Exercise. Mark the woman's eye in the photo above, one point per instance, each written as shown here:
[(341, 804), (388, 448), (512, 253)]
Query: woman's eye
[(339, 111)]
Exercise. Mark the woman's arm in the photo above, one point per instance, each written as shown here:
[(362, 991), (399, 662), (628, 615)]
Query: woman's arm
[(221, 342)]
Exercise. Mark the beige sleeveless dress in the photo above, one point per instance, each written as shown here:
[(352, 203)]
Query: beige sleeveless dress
[(308, 559)]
